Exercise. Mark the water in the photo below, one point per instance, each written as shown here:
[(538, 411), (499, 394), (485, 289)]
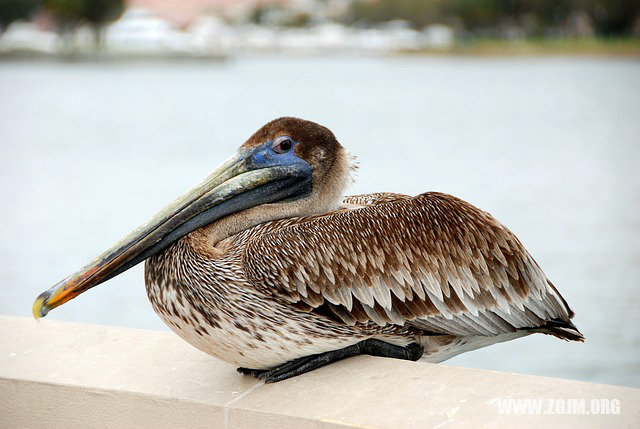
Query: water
[(550, 146)]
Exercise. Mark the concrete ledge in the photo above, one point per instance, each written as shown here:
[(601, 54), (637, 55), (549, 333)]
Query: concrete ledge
[(58, 374)]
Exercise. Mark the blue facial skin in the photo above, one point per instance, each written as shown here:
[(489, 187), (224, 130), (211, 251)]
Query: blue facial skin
[(263, 156)]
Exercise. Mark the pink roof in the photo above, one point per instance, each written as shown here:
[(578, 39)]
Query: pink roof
[(185, 12)]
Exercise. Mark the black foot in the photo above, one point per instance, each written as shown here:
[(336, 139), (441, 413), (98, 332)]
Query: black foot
[(308, 363)]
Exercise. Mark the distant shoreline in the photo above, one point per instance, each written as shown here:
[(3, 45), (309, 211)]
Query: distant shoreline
[(593, 47), (625, 47), (109, 56)]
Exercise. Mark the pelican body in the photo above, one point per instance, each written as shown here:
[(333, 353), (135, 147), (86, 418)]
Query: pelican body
[(266, 265)]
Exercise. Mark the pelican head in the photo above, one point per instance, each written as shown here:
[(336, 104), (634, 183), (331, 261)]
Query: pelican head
[(290, 167)]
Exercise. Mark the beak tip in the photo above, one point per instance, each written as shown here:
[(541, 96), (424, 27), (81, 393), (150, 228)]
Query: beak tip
[(39, 305)]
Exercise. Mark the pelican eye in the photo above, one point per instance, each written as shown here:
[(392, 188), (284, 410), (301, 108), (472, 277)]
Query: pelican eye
[(282, 144)]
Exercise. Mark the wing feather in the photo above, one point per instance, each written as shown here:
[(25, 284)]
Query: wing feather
[(432, 261)]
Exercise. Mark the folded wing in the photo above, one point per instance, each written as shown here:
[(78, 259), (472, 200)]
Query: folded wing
[(432, 261)]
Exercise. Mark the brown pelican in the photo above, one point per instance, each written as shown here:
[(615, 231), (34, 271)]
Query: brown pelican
[(266, 265)]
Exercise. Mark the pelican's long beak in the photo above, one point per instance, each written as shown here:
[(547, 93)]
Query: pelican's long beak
[(236, 185)]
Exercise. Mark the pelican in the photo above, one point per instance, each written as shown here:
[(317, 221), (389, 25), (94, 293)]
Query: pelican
[(266, 265)]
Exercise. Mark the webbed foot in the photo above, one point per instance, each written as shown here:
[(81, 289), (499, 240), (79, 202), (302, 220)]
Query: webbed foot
[(304, 364)]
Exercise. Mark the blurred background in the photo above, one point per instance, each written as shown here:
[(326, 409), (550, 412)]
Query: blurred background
[(528, 109)]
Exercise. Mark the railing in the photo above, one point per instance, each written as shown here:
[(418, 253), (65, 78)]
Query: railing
[(57, 374)]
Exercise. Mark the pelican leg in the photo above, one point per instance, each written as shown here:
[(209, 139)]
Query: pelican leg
[(304, 364)]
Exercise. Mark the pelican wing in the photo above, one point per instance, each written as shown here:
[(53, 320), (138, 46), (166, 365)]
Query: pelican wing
[(432, 261)]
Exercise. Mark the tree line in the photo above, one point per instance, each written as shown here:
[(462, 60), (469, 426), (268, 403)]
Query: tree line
[(488, 18), (492, 17), (68, 15)]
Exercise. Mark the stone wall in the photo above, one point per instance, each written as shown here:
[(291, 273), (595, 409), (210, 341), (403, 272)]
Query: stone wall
[(63, 375)]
